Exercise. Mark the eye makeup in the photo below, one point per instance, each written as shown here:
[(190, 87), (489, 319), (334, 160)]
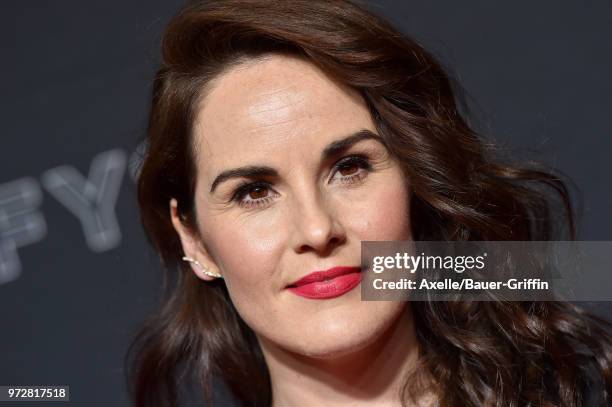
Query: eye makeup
[(254, 189)]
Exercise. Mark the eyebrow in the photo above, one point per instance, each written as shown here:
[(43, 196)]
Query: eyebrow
[(331, 150)]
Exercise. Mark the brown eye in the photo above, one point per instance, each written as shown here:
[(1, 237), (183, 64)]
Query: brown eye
[(258, 192), (252, 194), (348, 169)]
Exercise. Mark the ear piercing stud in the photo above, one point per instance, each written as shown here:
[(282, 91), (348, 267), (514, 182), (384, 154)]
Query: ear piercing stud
[(204, 269)]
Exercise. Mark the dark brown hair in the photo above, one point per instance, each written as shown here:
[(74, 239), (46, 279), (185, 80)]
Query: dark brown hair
[(474, 353)]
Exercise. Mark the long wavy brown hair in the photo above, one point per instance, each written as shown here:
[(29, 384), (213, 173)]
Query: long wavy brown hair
[(463, 188)]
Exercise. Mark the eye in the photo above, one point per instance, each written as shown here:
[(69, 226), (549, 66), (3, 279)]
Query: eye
[(352, 168), (253, 194)]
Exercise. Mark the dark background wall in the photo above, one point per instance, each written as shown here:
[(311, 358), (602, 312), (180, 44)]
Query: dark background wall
[(76, 274)]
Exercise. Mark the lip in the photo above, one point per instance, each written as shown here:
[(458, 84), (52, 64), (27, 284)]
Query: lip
[(330, 283)]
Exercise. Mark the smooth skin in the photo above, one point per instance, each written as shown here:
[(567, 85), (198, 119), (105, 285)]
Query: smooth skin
[(282, 112)]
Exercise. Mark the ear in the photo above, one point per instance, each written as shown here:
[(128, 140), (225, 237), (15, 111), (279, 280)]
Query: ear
[(192, 247)]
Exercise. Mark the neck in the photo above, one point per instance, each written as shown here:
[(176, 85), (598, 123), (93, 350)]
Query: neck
[(373, 375)]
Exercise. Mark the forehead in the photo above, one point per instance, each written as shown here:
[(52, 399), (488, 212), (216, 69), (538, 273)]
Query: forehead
[(280, 105)]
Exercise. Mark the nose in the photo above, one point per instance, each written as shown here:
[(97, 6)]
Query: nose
[(317, 229)]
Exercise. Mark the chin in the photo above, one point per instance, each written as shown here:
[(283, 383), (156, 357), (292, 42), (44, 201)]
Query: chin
[(334, 336)]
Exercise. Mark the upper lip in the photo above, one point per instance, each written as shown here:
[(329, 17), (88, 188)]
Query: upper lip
[(323, 275)]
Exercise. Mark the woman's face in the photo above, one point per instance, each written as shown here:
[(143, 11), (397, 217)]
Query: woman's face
[(308, 210)]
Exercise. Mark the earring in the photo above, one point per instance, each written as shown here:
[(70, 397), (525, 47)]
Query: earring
[(204, 269)]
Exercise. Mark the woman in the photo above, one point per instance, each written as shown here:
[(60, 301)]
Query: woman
[(281, 135)]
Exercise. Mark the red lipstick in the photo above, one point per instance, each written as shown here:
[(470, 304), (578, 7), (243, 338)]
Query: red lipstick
[(327, 283)]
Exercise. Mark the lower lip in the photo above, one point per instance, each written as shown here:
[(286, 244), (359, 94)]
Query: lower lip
[(329, 288)]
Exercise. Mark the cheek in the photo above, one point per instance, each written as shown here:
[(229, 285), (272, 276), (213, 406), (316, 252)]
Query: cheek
[(240, 245), (382, 212), (247, 254)]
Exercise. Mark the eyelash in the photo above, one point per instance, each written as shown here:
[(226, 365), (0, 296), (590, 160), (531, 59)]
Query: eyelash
[(245, 188)]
